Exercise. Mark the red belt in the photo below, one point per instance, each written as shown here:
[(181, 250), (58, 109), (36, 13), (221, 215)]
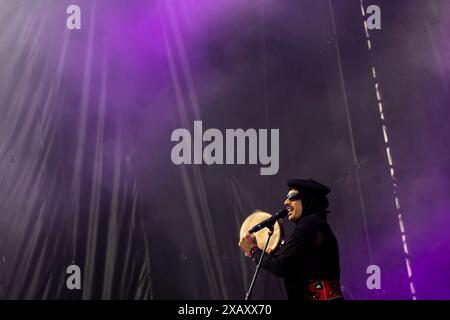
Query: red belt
[(323, 290)]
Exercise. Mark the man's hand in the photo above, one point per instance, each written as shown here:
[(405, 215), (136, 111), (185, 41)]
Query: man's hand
[(247, 242)]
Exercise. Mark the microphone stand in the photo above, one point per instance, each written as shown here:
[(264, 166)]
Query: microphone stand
[(258, 266)]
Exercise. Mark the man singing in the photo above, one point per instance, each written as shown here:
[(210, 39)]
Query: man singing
[(309, 261)]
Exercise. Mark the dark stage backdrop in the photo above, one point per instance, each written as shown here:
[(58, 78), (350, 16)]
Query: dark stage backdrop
[(86, 117)]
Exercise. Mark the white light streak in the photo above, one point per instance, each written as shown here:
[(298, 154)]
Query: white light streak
[(397, 203), (389, 158), (388, 152), (408, 268), (386, 140), (402, 228)]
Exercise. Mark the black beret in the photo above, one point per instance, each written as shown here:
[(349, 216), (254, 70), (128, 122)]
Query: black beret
[(310, 184)]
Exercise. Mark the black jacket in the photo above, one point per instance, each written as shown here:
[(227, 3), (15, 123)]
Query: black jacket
[(311, 253)]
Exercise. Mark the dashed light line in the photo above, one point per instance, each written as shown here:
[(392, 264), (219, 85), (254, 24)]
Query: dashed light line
[(366, 29), (408, 267), (389, 159), (397, 203), (413, 290), (388, 152), (405, 247), (378, 95), (392, 174), (402, 228), (380, 108), (386, 140)]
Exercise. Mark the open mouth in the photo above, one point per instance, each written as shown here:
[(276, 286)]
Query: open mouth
[(289, 209)]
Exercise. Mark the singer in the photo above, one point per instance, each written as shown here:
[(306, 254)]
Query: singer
[(309, 261)]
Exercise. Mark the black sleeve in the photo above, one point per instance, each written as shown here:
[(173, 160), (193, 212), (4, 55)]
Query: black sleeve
[(300, 243)]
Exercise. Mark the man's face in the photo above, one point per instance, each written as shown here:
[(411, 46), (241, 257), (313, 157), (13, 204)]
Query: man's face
[(293, 205)]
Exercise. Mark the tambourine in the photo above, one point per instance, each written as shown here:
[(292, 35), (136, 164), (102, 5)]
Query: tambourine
[(261, 236)]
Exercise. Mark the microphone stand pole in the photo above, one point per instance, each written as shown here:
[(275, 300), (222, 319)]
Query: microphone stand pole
[(258, 266)]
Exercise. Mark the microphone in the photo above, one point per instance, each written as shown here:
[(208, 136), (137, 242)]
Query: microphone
[(269, 221)]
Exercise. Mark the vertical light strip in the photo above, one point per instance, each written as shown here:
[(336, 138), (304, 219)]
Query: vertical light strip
[(350, 132), (389, 159)]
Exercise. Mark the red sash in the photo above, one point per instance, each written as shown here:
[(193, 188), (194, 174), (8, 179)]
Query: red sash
[(323, 290)]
